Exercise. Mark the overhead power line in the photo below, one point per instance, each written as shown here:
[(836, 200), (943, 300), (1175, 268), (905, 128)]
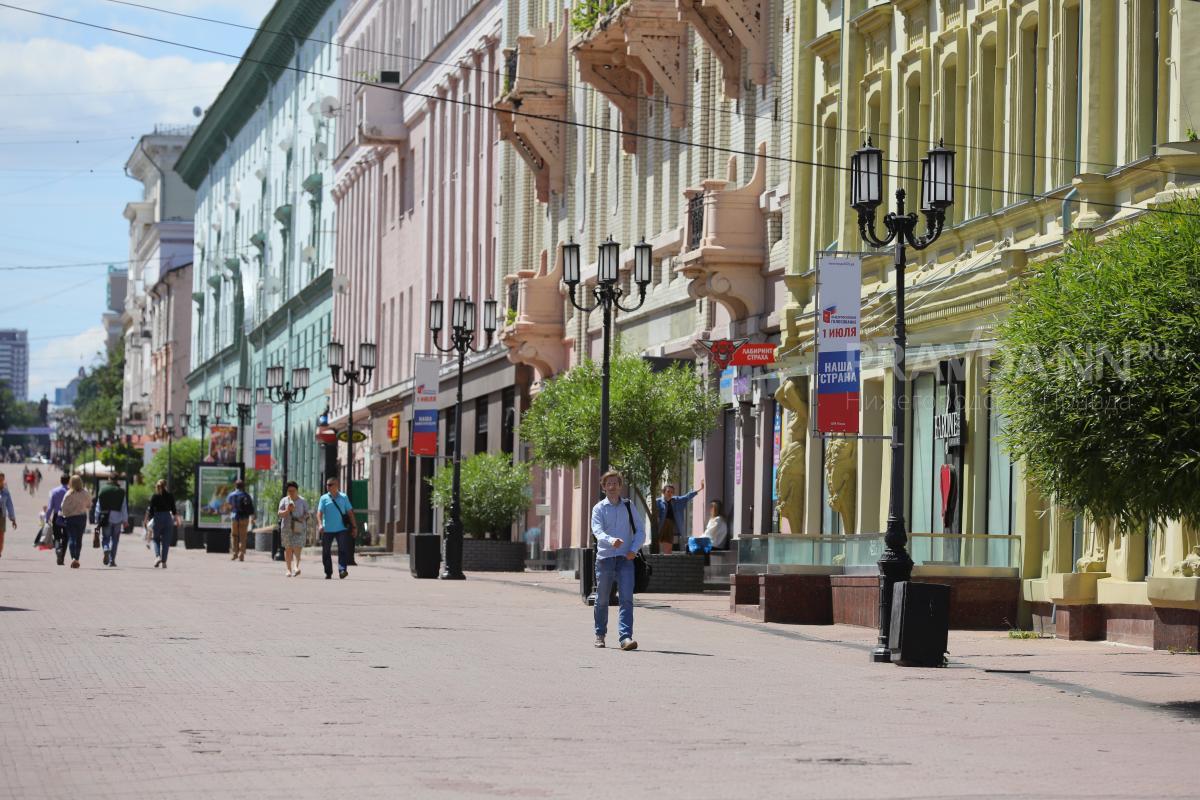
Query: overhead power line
[(421, 61), (577, 124)]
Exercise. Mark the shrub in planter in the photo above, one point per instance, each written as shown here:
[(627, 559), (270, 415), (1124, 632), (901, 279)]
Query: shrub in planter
[(495, 492)]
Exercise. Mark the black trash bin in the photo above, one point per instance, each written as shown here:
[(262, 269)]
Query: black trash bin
[(216, 541), (193, 537), (920, 630), (424, 554)]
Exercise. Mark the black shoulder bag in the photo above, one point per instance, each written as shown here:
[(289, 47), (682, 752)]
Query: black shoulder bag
[(641, 567)]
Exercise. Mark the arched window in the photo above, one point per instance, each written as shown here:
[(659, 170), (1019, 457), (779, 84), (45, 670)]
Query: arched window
[(827, 199), (984, 132), (1028, 172), (1071, 68)]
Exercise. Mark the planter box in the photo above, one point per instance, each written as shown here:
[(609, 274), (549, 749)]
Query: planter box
[(676, 573), (193, 538), (262, 540), (490, 555), (216, 541)]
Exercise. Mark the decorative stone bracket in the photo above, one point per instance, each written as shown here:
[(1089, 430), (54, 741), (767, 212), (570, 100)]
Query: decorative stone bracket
[(533, 109), (729, 28), (639, 39), (724, 248), (536, 336)]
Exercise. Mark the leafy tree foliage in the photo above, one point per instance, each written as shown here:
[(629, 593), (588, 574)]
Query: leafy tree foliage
[(98, 403), (495, 492), (185, 455), (124, 458), (1101, 372), (654, 417)]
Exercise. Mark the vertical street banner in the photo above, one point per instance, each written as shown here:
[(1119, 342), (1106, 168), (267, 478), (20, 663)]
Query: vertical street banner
[(838, 351), (426, 370), (262, 438)]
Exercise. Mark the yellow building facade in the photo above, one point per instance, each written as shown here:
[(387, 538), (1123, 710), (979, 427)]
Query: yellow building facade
[(1066, 115)]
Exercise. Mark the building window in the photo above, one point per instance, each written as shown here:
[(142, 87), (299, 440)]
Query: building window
[(481, 424), (921, 466), (508, 419), (1000, 500)]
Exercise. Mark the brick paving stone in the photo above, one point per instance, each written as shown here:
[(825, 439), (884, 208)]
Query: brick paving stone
[(220, 679)]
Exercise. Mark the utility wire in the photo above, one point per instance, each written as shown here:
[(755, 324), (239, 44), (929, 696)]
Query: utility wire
[(422, 61), (577, 124)]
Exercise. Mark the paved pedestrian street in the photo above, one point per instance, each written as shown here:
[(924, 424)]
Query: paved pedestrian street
[(220, 679)]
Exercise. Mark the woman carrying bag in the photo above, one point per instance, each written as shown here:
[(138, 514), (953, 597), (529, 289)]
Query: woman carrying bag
[(75, 507), (162, 518)]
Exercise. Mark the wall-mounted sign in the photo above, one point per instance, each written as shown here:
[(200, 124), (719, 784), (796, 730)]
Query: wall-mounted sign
[(359, 436), (838, 354), (393, 428), (262, 437), (948, 427), (754, 354)]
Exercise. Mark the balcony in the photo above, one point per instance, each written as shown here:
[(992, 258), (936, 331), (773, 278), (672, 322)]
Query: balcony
[(634, 44), (535, 336), (533, 107), (378, 115), (732, 28), (725, 246)]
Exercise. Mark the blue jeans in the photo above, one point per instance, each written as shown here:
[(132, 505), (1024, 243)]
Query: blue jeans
[(621, 570), (76, 526), (699, 544), (164, 531), (343, 542), (110, 537)]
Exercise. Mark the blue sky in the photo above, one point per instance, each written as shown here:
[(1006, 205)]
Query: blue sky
[(75, 101)]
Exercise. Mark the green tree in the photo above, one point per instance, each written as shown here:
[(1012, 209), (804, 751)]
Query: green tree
[(654, 417), (124, 458), (185, 455), (1100, 374), (98, 403), (495, 492)]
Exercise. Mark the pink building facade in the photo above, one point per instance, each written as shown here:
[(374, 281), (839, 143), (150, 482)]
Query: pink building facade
[(417, 195)]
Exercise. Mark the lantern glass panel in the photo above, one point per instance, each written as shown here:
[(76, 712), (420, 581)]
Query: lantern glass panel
[(260, 395), (205, 408), (941, 172), (469, 317), (226, 394), (643, 263), (609, 264), (243, 396), (570, 263), (489, 316), (435, 315), (170, 420), (366, 355), (300, 377), (458, 311), (335, 355), (157, 420)]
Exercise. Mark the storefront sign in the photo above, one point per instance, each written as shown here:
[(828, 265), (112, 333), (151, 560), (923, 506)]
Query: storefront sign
[(838, 352), (722, 351), (725, 385), (393, 428), (425, 412), (948, 427), (754, 354)]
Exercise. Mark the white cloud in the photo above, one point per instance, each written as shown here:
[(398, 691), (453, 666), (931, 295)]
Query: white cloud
[(54, 362), (120, 91)]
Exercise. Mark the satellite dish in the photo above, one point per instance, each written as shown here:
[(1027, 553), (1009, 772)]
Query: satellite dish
[(329, 107), (197, 112), (308, 254), (320, 151)]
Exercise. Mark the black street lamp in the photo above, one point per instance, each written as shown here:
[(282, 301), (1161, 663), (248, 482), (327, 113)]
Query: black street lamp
[(937, 194), (168, 430), (462, 341), (607, 294), (203, 411), (243, 396), (351, 377), (287, 393)]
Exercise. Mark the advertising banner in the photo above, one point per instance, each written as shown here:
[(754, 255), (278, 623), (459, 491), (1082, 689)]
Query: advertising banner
[(425, 410), (261, 458), (213, 485), (222, 444), (838, 350)]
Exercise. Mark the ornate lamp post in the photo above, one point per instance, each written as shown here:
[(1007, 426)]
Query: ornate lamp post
[(351, 377), (243, 395), (462, 341), (937, 194), (204, 410), (287, 393), (607, 295)]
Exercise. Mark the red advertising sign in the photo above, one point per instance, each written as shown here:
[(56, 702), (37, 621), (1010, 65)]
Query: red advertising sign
[(753, 354)]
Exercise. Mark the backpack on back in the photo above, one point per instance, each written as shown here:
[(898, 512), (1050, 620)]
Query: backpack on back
[(245, 506)]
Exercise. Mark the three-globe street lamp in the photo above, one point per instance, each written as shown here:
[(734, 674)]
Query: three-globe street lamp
[(351, 377), (937, 194), (607, 294), (287, 393), (462, 341), (168, 430)]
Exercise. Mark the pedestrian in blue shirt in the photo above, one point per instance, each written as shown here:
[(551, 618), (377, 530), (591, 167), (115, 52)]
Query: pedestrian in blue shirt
[(7, 514), (671, 510), (619, 535), (241, 519), (335, 520), (55, 518)]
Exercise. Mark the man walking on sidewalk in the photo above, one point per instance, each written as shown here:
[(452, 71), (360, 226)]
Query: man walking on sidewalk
[(335, 520), (241, 515), (111, 513), (619, 535), (54, 517)]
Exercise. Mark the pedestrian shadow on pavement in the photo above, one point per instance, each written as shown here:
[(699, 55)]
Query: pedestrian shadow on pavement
[(676, 653), (11, 608)]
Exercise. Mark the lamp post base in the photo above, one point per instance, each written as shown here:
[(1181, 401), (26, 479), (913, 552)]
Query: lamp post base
[(452, 552), (895, 566)]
